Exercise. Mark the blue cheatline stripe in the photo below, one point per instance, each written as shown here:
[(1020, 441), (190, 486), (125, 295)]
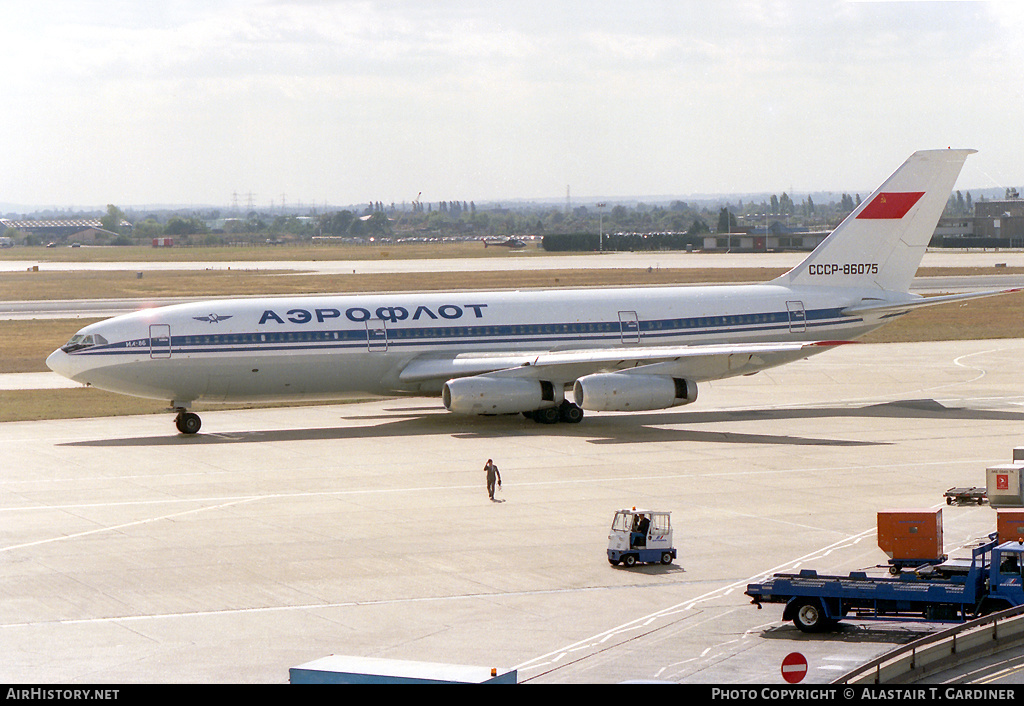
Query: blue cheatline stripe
[(596, 332)]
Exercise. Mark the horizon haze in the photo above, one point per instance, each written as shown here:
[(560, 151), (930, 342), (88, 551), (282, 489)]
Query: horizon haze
[(284, 102)]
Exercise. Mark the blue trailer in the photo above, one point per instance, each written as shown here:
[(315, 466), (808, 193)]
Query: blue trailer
[(952, 591)]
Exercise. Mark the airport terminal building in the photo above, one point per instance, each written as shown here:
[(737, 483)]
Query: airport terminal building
[(1000, 220), (997, 223)]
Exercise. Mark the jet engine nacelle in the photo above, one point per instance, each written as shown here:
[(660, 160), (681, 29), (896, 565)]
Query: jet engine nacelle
[(621, 392), (488, 395)]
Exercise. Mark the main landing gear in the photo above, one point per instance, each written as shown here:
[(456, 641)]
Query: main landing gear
[(187, 422), (566, 412)]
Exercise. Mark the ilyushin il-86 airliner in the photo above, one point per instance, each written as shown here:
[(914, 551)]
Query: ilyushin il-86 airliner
[(547, 354)]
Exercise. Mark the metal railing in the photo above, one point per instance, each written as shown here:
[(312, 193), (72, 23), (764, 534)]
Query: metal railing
[(941, 650)]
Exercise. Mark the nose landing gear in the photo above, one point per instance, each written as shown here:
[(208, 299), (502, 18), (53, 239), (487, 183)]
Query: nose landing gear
[(187, 422)]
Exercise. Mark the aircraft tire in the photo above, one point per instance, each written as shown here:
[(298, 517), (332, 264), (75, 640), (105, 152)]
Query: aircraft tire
[(570, 413), (548, 415), (188, 422)]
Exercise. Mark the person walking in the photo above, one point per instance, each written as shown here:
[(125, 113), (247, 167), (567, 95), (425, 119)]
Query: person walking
[(492, 477)]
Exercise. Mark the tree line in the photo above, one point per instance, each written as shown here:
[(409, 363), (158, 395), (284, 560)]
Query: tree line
[(464, 218)]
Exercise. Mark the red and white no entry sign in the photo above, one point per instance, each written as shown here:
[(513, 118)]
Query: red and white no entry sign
[(794, 667)]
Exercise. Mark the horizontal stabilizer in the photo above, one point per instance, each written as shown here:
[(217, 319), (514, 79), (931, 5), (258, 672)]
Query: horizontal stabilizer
[(870, 307)]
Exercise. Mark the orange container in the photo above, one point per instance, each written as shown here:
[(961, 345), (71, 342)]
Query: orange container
[(910, 535), (1010, 525)]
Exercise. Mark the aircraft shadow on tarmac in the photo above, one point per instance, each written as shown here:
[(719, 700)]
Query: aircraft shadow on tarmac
[(618, 429), (901, 409)]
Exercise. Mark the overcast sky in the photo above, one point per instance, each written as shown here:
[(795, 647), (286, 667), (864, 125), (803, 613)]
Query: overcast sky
[(317, 101)]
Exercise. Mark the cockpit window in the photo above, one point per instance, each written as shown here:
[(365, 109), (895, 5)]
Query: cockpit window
[(80, 341)]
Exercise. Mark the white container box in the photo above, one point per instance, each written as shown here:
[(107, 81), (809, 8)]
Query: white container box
[(1004, 486)]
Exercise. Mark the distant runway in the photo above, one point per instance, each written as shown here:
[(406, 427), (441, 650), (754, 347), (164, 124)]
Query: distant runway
[(35, 381), (508, 262), (96, 308), (80, 308), (277, 536)]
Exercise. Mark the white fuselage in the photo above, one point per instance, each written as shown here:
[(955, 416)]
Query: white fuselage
[(324, 347), (490, 353)]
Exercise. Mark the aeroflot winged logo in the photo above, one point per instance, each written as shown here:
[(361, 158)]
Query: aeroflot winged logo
[(891, 205), (212, 318)]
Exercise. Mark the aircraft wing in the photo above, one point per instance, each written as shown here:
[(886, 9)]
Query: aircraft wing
[(868, 306), (696, 363)]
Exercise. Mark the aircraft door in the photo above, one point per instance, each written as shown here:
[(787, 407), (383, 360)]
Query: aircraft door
[(376, 336), (629, 327), (797, 317), (159, 341)]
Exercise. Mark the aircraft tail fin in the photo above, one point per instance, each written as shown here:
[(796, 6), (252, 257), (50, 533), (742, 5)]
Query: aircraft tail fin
[(881, 243)]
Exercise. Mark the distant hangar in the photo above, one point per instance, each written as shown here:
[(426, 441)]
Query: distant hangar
[(81, 230)]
